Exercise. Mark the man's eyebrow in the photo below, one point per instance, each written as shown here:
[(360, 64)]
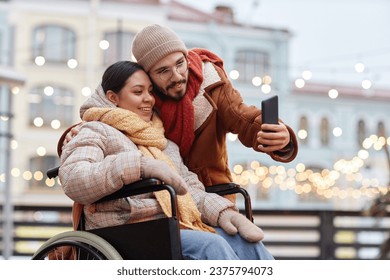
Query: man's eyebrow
[(160, 68), (163, 67), (181, 58)]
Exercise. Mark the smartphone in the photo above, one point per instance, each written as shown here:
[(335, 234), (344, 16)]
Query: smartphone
[(270, 112)]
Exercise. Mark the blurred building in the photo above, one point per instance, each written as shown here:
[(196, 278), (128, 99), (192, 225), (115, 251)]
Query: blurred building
[(10, 82), (63, 47)]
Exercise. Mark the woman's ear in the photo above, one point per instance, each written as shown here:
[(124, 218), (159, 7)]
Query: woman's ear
[(112, 96)]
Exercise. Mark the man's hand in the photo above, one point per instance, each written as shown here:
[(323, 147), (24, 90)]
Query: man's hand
[(72, 133), (272, 137), (233, 222)]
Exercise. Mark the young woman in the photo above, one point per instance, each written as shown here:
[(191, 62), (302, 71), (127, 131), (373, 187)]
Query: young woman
[(123, 141)]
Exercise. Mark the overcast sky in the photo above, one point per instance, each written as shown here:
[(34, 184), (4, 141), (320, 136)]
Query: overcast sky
[(329, 36)]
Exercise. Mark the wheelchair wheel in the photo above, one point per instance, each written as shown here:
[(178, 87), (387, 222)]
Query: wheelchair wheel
[(76, 245)]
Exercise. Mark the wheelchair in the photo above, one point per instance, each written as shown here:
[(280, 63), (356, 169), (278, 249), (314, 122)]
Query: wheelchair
[(150, 240)]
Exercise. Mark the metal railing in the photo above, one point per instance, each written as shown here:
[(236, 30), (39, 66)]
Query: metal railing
[(322, 234), (289, 234)]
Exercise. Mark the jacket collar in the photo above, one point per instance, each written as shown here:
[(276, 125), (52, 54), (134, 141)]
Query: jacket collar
[(202, 105)]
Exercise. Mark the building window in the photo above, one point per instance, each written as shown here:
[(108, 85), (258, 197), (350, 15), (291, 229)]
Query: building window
[(324, 132), (120, 46), (381, 129), (38, 168), (57, 44), (252, 63), (51, 106), (361, 132), (303, 132)]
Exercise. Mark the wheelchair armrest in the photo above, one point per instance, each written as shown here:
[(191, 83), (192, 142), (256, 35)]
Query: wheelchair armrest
[(141, 187), (222, 189), (232, 188), (138, 187), (53, 172), (135, 188)]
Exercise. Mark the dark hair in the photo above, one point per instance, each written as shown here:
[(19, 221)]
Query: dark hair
[(115, 76)]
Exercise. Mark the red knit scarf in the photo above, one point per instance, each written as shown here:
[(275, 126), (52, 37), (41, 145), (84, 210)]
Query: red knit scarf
[(178, 116)]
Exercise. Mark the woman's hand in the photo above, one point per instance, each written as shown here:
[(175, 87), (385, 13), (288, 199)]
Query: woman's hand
[(153, 168), (233, 222)]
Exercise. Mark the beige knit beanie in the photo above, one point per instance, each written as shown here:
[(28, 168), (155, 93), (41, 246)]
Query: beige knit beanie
[(155, 42)]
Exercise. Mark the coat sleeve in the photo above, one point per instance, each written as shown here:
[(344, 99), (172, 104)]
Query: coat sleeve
[(245, 121), (210, 205), (91, 170)]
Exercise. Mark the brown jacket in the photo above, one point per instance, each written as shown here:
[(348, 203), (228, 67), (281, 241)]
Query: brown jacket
[(219, 109)]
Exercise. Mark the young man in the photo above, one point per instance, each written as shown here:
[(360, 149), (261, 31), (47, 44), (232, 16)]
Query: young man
[(199, 106)]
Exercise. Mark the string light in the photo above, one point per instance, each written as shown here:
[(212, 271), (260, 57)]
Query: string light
[(302, 134), (234, 74), (72, 63), (232, 137), (15, 90), (50, 182), (257, 81), (299, 83), (38, 175), (41, 151), (38, 121), (267, 79), (15, 172), (14, 144), (266, 88), (48, 91), (333, 93), (27, 175), (307, 75), (55, 124), (4, 118), (324, 183), (104, 44), (337, 131), (359, 67), (40, 60), (366, 84), (86, 91)]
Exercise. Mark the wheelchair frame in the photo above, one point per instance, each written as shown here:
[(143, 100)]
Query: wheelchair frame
[(128, 241)]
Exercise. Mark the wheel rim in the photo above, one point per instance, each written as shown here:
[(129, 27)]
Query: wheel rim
[(90, 246), (83, 251)]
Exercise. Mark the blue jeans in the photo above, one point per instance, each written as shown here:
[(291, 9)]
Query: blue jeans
[(199, 245)]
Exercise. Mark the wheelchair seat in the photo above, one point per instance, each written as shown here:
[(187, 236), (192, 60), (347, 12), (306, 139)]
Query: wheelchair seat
[(153, 240)]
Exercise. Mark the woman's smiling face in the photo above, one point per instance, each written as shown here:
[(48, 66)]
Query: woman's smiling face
[(136, 95)]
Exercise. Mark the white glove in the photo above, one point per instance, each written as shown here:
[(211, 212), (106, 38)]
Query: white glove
[(159, 169), (232, 222)]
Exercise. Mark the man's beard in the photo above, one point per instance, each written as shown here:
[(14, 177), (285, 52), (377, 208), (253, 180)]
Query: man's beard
[(163, 93)]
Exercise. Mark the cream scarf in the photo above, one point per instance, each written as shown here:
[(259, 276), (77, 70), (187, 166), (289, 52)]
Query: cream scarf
[(150, 140)]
